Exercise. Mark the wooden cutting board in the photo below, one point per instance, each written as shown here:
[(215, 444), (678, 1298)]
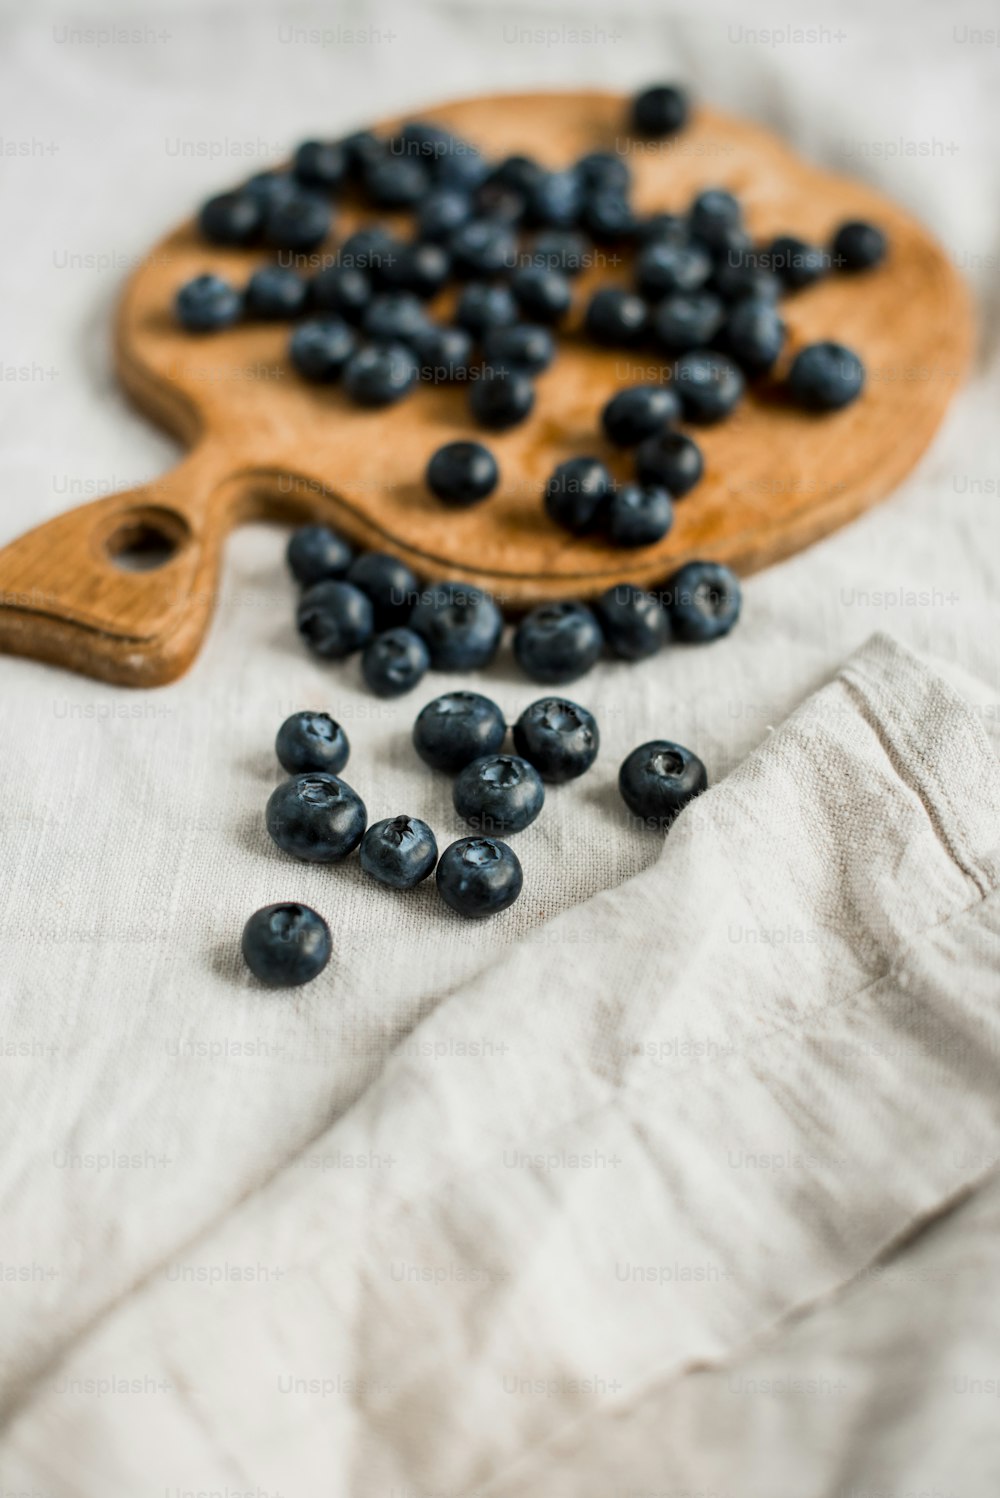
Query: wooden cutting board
[(263, 443)]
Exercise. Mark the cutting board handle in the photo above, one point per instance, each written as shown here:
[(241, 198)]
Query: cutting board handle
[(122, 588)]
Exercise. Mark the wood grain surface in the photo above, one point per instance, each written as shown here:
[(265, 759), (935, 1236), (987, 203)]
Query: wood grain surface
[(262, 442)]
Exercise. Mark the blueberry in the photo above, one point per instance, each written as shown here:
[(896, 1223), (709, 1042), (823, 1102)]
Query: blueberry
[(232, 218), (714, 214), (826, 377), (687, 320), (703, 600), (522, 344), (553, 200), (658, 779), (394, 316), (664, 267), (396, 181), (319, 163), (389, 584), (671, 461), (316, 816), (380, 374), (368, 249), (521, 173), (557, 642), (794, 262), (858, 246), (501, 398), (558, 737), (442, 353), (460, 624), (207, 304), (483, 247), (360, 149), (639, 412), (499, 793), (461, 167), (604, 170), (442, 212), (482, 306), (311, 741), (399, 852), (479, 876), (635, 624), (286, 945), (754, 334), (275, 292), (663, 228), (320, 348), (639, 515), (577, 494), (268, 188), (420, 269), (541, 294), (462, 473), (316, 553), (455, 729), (341, 289), (615, 318), (298, 222), (710, 385), (564, 250), (740, 273), (660, 110), (334, 618), (505, 205), (394, 662), (608, 216)]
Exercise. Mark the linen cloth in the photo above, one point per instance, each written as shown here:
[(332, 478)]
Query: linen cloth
[(167, 1123)]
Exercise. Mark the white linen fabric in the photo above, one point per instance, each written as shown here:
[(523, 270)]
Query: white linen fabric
[(652, 1185)]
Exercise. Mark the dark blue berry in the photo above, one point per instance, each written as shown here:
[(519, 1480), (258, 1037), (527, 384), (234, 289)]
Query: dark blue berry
[(421, 269), (604, 170), (334, 619), (687, 320), (394, 662), (740, 273), (462, 473), (664, 267), (394, 316), (455, 729), (710, 385), (442, 353), (658, 779), (858, 246), (521, 173), (639, 515), (483, 247), (232, 218), (703, 600), (316, 816), (482, 306), (543, 295), (564, 250), (795, 263), (319, 163), (380, 374), (499, 793), (390, 585), (270, 187), (316, 554), (399, 852), (501, 398), (609, 217), (660, 110), (286, 945), (442, 212), (615, 318), (522, 344), (320, 348), (754, 334), (826, 377), (479, 876), (577, 494), (207, 304), (670, 461), (341, 289), (663, 228), (559, 738), (553, 200), (275, 292), (714, 214), (396, 181), (634, 623), (298, 222), (369, 249), (639, 412), (311, 741), (557, 642), (460, 624), (361, 148)]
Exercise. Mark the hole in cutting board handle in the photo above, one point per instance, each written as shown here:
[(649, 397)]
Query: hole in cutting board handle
[(145, 538)]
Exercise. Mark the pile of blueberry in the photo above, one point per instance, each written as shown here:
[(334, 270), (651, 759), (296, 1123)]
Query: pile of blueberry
[(513, 234), (315, 815)]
